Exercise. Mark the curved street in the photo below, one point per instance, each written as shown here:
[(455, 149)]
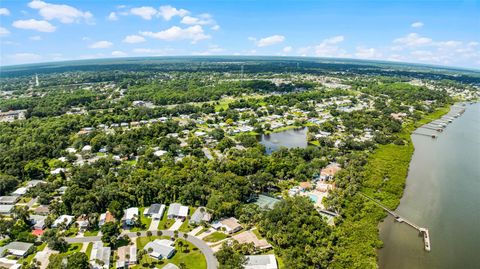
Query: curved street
[(212, 262)]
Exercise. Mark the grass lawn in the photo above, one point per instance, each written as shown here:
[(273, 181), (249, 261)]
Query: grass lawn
[(89, 250), (185, 225), (71, 232), (145, 221), (143, 240), (91, 233), (188, 254), (165, 223), (30, 257), (215, 237), (74, 247)]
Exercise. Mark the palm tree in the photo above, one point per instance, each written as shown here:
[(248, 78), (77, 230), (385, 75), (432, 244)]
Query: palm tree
[(180, 244), (159, 233)]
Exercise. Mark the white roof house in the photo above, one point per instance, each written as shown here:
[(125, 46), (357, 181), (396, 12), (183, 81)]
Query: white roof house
[(19, 249), (160, 249), (20, 191), (131, 215), (261, 262), (200, 215), (100, 253), (177, 210), (6, 209), (231, 225), (67, 219), (155, 211), (8, 200), (127, 255)]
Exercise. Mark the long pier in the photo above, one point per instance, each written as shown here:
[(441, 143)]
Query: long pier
[(429, 135), (423, 231)]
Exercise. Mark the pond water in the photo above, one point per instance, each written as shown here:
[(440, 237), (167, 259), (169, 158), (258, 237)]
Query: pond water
[(292, 138), (443, 195)]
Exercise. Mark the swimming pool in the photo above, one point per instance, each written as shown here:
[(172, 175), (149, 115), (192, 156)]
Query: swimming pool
[(313, 197)]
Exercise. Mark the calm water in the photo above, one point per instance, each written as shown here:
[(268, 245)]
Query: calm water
[(293, 138), (442, 194)]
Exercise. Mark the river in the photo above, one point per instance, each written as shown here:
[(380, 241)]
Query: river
[(442, 194), (291, 138)]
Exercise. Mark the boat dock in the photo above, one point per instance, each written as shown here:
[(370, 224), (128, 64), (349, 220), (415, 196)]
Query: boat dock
[(441, 123), (400, 219)]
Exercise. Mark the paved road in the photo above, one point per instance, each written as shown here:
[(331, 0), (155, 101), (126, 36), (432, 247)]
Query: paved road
[(212, 262)]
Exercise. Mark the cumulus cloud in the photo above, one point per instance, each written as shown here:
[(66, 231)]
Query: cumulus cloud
[(146, 13), (168, 12), (412, 40), (202, 19), (132, 39), (287, 49), (329, 47), (367, 53), (23, 58), (267, 41), (4, 31), (101, 45), (4, 11), (417, 24), (37, 25), (63, 13), (118, 53), (112, 16), (194, 33)]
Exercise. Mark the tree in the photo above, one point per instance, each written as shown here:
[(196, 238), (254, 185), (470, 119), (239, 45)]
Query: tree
[(229, 258), (116, 209), (110, 232)]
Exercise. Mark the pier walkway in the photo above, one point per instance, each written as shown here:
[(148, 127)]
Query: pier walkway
[(423, 231)]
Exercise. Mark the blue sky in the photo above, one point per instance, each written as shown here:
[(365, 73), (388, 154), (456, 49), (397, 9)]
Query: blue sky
[(433, 32)]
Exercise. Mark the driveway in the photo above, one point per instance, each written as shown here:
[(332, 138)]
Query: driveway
[(212, 262), (43, 257), (176, 225), (154, 225)]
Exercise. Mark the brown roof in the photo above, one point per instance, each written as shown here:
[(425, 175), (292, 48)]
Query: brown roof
[(42, 209), (250, 237), (109, 217), (330, 170), (232, 223), (305, 185)]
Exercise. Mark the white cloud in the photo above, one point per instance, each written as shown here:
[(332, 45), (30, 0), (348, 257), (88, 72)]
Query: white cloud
[(216, 27), (203, 19), (4, 12), (168, 12), (194, 33), (63, 13), (101, 45), (267, 41), (132, 39), (287, 49), (412, 40), (146, 13), (24, 57), (417, 24), (32, 24), (35, 38), (149, 51), (118, 53), (4, 31), (329, 47), (367, 53), (112, 16)]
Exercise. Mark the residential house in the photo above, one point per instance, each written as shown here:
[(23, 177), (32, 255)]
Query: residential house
[(42, 210), (131, 215), (38, 221), (329, 172), (250, 237), (155, 211), (261, 262), (170, 266), (19, 249), (177, 211), (160, 249), (20, 191), (67, 219), (200, 214), (104, 218), (231, 225), (8, 200), (100, 256), (82, 222), (6, 209), (127, 255)]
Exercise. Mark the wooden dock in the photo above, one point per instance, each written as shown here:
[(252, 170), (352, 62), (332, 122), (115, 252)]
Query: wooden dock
[(400, 219)]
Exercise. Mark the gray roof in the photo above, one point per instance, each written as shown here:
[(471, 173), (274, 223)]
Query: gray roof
[(19, 246), (160, 251), (6, 209), (198, 215), (154, 209), (261, 261), (8, 200)]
